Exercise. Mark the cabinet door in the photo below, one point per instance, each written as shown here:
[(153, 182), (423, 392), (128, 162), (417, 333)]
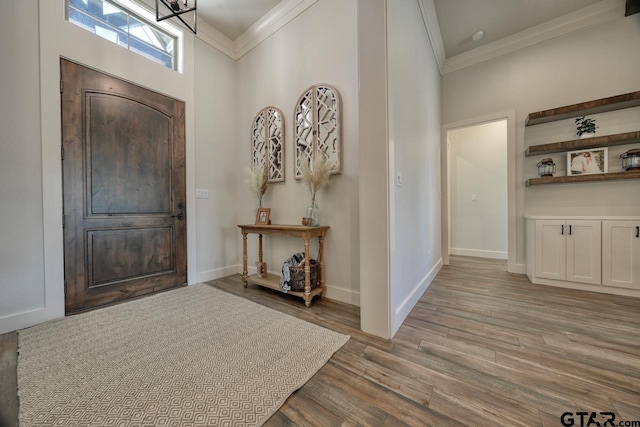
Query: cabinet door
[(584, 251), (621, 254), (550, 249)]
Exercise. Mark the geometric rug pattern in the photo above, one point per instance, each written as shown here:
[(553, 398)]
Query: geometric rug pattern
[(195, 356)]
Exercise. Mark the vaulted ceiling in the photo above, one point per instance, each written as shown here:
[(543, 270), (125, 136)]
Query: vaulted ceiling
[(503, 25)]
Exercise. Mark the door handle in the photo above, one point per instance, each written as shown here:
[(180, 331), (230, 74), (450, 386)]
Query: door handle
[(180, 215), (569, 230), (562, 230), (637, 231)]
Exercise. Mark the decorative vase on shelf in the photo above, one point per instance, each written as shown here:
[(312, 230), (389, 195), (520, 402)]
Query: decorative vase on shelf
[(587, 135), (312, 215)]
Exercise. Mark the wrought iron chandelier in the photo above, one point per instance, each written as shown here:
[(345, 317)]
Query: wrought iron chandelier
[(178, 9)]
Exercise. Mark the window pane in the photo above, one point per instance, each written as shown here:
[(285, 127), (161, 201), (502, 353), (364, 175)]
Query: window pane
[(98, 27), (146, 41), (116, 24)]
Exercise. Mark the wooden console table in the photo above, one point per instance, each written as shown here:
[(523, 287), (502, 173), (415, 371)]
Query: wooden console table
[(273, 281)]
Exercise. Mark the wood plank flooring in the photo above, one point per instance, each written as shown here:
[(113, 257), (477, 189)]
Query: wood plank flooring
[(482, 347)]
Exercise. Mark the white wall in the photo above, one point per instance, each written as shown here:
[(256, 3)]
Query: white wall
[(593, 63), (21, 252), (414, 150), (373, 127), (478, 166), (319, 46), (217, 150), (31, 275)]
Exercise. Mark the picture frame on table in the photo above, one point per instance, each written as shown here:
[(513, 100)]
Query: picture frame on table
[(262, 216)]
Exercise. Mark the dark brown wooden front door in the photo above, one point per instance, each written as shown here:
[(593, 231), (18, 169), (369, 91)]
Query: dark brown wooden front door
[(124, 189)]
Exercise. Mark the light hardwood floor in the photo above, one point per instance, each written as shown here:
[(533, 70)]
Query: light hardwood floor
[(482, 347)]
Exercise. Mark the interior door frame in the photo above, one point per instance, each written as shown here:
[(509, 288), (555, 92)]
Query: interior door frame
[(76, 77), (510, 117)]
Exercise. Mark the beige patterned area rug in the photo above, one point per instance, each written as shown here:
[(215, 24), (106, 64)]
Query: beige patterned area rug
[(196, 356)]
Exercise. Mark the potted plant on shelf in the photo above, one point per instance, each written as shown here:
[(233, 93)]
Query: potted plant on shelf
[(315, 173), (585, 128)]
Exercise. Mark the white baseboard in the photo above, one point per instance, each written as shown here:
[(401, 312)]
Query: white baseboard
[(587, 287), (217, 273), (343, 295), (479, 253), (26, 319), (410, 301), (519, 269)]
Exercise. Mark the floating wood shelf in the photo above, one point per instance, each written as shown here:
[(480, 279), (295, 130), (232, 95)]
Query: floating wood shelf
[(612, 103), (583, 178), (583, 144)]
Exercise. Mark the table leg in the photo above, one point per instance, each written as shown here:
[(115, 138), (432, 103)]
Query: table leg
[(261, 270), (307, 274), (245, 273), (321, 265)]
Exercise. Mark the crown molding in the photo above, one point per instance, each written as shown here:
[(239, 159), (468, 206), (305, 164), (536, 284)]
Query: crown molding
[(596, 14), (273, 21), (430, 19), (216, 39), (285, 12)]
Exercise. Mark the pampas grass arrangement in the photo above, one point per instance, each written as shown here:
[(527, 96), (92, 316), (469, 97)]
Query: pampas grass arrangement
[(317, 175), (258, 180)]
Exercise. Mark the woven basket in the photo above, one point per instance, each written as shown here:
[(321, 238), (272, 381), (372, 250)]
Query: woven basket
[(297, 276)]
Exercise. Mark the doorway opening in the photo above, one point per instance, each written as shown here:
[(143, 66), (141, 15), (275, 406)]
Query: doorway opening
[(478, 190)]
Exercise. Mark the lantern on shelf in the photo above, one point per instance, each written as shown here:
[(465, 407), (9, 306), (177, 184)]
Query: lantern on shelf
[(631, 160), (546, 167)]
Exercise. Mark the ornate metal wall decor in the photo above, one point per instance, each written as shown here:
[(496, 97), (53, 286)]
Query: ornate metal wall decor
[(317, 127), (267, 142)]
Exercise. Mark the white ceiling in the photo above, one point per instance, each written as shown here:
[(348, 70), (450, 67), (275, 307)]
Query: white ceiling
[(459, 19), (233, 17), (508, 25)]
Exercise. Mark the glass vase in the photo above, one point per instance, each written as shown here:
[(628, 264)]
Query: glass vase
[(312, 215)]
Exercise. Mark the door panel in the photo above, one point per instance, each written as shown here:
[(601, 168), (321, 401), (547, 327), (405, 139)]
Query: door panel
[(550, 249), (621, 254), (128, 149), (114, 255), (124, 189), (584, 251)]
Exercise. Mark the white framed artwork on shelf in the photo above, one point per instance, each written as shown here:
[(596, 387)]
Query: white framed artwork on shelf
[(588, 162)]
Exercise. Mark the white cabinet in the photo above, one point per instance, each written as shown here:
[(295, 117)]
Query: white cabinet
[(551, 250), (568, 250), (584, 251), (621, 254)]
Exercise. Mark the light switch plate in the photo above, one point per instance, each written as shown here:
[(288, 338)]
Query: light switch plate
[(202, 193), (398, 179), (474, 197)]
